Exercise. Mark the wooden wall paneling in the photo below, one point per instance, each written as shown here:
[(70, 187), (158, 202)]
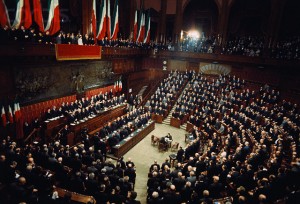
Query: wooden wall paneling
[(193, 66), (178, 65)]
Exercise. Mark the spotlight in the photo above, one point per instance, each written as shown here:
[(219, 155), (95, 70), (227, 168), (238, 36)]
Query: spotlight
[(194, 34)]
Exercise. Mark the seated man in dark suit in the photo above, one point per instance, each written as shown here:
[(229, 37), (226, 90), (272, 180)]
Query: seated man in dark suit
[(112, 141), (175, 114), (168, 139), (163, 140)]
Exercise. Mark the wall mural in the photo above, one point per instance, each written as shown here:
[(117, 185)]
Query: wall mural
[(37, 82)]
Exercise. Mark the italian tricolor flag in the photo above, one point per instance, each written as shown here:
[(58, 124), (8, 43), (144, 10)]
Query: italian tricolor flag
[(147, 27), (19, 121), (53, 23), (3, 116), (141, 32), (38, 14), (120, 85), (115, 22), (102, 23), (23, 15), (4, 17), (94, 28), (135, 27), (10, 115)]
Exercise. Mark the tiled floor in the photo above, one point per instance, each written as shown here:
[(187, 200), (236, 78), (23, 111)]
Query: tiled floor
[(143, 155)]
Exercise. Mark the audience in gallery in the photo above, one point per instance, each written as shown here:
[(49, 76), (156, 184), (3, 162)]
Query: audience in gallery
[(33, 36), (202, 45), (253, 46), (254, 159), (288, 49)]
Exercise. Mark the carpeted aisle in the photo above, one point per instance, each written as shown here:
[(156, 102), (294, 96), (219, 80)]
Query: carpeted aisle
[(144, 154)]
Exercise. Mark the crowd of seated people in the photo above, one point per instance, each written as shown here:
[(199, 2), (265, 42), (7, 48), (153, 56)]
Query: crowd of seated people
[(200, 92), (165, 94), (114, 132), (236, 45), (244, 45), (34, 36), (30, 174), (201, 45), (253, 159), (287, 49), (82, 109), (76, 112)]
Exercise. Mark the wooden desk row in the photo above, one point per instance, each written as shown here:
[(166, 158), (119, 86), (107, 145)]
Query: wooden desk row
[(189, 126), (80, 198), (99, 120), (52, 126), (175, 122), (157, 118), (125, 146)]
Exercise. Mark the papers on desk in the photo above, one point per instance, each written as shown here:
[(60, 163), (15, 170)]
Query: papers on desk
[(117, 145), (72, 124), (47, 121)]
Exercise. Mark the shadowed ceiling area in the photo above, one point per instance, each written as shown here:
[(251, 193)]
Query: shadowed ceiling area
[(201, 16)]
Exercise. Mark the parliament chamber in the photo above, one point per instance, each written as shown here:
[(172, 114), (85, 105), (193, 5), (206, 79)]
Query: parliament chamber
[(201, 97)]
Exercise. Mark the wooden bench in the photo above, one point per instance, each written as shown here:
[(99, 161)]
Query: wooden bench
[(189, 126), (157, 118), (175, 122), (75, 196), (223, 200)]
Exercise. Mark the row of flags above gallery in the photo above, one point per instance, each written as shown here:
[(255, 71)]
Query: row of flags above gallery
[(141, 30), (23, 15), (13, 115), (105, 25)]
